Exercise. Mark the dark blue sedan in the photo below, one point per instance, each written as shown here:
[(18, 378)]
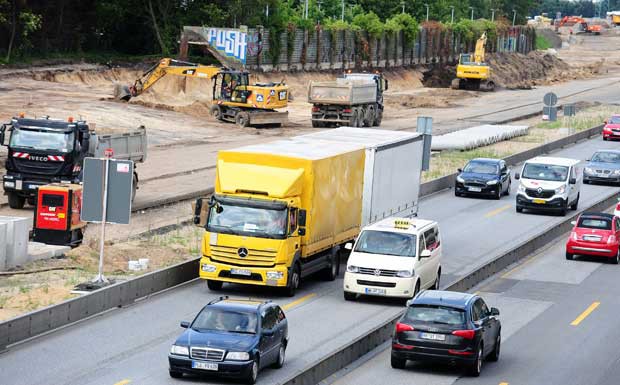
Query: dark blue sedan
[(483, 176), (231, 338)]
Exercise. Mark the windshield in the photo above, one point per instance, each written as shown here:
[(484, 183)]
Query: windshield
[(545, 172), (385, 242), (606, 157), (244, 220), (481, 168), (595, 223), (42, 140), (614, 120), (225, 321), (435, 314)]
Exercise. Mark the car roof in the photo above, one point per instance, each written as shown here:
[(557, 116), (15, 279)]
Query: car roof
[(608, 150), (600, 215), (486, 160), (390, 224), (553, 161), (446, 298), (237, 304)]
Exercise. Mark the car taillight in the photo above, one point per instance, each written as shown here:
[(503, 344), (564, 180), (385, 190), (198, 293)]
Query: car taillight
[(347, 110), (467, 334), (618, 207), (403, 328), (459, 352), (574, 236), (611, 239), (396, 345), (315, 109)]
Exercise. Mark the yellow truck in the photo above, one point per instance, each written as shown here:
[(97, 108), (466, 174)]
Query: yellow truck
[(282, 210)]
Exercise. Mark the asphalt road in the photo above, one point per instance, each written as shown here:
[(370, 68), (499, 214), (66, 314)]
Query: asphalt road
[(132, 343), (559, 326)]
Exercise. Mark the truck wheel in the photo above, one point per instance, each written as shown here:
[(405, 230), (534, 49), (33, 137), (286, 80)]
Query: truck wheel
[(317, 124), (293, 283), (379, 117), (242, 119), (214, 285), (331, 272), (16, 201), (32, 201), (216, 112), (353, 120)]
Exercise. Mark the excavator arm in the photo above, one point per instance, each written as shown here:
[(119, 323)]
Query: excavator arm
[(165, 67), (480, 49)]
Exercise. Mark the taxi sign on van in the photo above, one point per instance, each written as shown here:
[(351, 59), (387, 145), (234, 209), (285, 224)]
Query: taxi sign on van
[(401, 224)]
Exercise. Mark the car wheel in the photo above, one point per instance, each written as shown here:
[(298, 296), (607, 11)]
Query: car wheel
[(398, 363), (436, 284), (253, 375), (569, 256), (349, 296), (586, 181), (476, 366), (616, 260), (417, 289), (214, 285), (494, 356), (281, 355), (175, 374), (294, 281), (519, 209), (604, 138), (498, 196), (508, 189), (456, 193), (574, 205)]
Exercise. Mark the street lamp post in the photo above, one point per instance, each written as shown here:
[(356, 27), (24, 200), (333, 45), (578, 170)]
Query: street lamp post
[(426, 5), (452, 14), (493, 14), (472, 12), (402, 3), (342, 14), (514, 17)]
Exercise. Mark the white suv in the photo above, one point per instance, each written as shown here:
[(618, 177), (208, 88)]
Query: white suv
[(395, 257)]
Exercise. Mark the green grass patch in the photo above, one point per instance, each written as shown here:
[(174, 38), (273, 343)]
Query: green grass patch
[(542, 43)]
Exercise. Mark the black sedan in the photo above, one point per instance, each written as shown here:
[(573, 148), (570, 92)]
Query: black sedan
[(483, 176), (231, 338), (447, 326)]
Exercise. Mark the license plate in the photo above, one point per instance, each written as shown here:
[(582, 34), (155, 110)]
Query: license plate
[(590, 238), (540, 201), (474, 189), (372, 290), (245, 272), (204, 365), (18, 185), (433, 336)]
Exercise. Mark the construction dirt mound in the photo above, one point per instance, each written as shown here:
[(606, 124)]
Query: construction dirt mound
[(518, 71)]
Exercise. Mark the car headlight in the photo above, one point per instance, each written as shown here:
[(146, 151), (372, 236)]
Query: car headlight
[(459, 179), (521, 188), (616, 172), (404, 273), (560, 190), (492, 182), (179, 350), (9, 184), (238, 356), (353, 269), (588, 170), (208, 268), (275, 274)]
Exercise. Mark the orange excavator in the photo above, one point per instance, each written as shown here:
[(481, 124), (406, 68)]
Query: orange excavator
[(570, 21)]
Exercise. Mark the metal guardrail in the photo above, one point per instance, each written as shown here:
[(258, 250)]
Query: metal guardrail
[(123, 293)]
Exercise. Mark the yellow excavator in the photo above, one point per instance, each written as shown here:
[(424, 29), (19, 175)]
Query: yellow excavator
[(472, 73), (234, 98)]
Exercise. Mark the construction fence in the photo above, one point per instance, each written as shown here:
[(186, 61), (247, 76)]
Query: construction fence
[(319, 49)]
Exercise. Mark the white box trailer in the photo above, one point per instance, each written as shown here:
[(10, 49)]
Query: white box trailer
[(392, 170)]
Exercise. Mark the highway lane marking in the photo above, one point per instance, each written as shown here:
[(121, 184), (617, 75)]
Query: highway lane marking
[(497, 211), (585, 313), (298, 301), (123, 382), (503, 383)]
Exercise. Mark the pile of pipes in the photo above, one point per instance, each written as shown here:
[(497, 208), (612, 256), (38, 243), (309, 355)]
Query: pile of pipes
[(475, 137)]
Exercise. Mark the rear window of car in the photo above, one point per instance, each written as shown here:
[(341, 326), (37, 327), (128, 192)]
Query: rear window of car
[(435, 314), (595, 223)]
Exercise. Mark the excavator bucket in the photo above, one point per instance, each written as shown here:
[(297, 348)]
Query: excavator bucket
[(121, 92)]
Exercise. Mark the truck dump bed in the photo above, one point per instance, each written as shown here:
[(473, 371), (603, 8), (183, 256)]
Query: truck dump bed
[(393, 165), (131, 145), (342, 91)]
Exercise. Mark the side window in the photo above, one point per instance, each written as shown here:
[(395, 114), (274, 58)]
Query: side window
[(476, 311), (292, 220), (503, 167), (484, 310), (437, 239), (430, 239), (268, 319), (280, 314)]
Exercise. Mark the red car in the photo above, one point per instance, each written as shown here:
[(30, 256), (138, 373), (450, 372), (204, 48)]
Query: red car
[(612, 128), (595, 234)]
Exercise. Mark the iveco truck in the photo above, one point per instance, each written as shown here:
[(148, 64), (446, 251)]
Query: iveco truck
[(43, 151), (282, 210)]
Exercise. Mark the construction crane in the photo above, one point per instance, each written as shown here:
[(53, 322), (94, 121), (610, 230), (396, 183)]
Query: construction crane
[(234, 98), (472, 73)]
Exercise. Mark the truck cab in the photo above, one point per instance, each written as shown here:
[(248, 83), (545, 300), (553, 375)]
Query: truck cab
[(41, 151)]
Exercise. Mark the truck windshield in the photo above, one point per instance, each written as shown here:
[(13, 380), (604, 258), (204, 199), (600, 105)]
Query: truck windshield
[(386, 243), (545, 172), (42, 140), (243, 220)]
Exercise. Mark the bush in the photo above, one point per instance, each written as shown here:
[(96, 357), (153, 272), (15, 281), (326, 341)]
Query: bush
[(542, 43), (369, 22), (408, 24)]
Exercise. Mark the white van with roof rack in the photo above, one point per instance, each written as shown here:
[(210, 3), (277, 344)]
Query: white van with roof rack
[(396, 257)]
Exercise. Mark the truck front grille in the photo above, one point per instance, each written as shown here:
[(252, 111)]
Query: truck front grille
[(207, 354), (543, 194), (27, 166), (232, 256)]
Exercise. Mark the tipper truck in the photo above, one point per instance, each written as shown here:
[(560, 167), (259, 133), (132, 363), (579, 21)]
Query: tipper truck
[(43, 151), (354, 100), (282, 210)]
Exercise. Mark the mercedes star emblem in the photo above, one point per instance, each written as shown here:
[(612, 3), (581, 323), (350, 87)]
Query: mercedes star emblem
[(242, 252)]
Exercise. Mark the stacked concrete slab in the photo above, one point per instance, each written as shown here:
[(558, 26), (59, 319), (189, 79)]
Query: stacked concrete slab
[(14, 234)]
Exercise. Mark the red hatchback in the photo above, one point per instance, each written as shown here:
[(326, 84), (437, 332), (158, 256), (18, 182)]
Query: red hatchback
[(595, 234), (612, 128)]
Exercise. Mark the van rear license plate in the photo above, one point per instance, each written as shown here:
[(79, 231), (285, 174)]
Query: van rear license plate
[(474, 189), (372, 290), (204, 365), (433, 336), (245, 272), (539, 201)]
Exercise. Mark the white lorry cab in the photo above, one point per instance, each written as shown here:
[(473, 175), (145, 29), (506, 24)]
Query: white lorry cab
[(549, 184), (395, 257)]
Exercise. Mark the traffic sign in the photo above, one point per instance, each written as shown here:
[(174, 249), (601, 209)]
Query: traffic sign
[(108, 152), (550, 99), (119, 190)]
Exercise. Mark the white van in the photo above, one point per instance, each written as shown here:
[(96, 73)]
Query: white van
[(395, 257), (550, 184)]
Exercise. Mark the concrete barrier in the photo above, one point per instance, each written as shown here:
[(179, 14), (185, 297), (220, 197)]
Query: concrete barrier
[(16, 233), (47, 319)]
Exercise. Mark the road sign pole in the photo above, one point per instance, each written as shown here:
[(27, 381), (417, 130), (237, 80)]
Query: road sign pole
[(104, 211)]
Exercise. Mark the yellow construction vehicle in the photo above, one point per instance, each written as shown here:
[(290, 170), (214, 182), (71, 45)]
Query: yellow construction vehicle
[(234, 98), (472, 73)]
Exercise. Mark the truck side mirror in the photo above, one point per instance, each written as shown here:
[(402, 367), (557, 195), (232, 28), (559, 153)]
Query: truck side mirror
[(201, 211), (348, 246), (85, 142), (301, 218), (301, 231), (572, 181)]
